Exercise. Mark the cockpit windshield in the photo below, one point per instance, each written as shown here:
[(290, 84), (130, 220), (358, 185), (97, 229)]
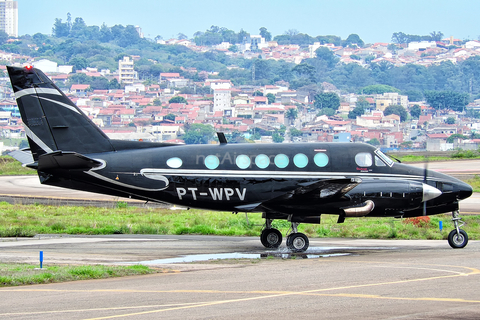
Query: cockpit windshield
[(389, 162)]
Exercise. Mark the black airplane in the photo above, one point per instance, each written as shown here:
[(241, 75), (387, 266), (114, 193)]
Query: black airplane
[(295, 182)]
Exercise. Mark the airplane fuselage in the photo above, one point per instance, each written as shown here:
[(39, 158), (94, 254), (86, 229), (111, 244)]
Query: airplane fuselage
[(256, 177)]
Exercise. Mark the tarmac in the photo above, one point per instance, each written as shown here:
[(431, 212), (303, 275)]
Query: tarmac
[(213, 277)]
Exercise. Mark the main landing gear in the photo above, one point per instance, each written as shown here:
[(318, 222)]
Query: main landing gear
[(457, 238), (271, 238)]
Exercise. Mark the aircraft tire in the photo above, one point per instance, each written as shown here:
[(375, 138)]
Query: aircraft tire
[(297, 242), (457, 240), (271, 238)]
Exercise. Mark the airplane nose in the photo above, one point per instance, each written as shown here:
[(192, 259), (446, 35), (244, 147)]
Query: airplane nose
[(464, 190), (430, 192)]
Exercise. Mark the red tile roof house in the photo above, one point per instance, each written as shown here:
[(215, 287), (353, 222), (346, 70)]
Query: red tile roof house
[(79, 89)]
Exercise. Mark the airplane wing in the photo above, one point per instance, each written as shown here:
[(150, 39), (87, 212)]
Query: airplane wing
[(317, 190)]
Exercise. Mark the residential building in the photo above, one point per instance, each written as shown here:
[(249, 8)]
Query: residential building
[(9, 17), (126, 73), (222, 100)]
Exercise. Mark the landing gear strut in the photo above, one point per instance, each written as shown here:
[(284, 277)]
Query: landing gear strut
[(296, 241), (271, 238), (457, 238)]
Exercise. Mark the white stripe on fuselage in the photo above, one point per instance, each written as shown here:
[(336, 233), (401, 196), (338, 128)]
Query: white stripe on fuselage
[(270, 174)]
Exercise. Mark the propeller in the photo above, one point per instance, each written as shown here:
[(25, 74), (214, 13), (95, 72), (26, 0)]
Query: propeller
[(425, 173)]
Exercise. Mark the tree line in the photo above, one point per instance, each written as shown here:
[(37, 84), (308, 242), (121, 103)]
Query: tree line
[(75, 43)]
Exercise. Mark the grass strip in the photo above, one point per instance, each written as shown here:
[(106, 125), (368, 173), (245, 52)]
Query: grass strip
[(25, 274), (28, 220), (11, 167)]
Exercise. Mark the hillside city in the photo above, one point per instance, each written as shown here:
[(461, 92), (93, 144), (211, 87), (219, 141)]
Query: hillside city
[(189, 106)]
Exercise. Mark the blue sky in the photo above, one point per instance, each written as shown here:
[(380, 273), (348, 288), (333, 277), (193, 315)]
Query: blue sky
[(372, 20)]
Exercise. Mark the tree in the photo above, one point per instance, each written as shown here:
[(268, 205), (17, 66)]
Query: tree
[(414, 95), (181, 36), (3, 37), (374, 142), (415, 111), (114, 84), (60, 29), (329, 112), (398, 110), (357, 112), (436, 36), (170, 117), (327, 100), (198, 133), (450, 120), (78, 63), (265, 34), (378, 89), (291, 114), (305, 70), (353, 39), (277, 137), (177, 99), (157, 102), (324, 54), (455, 101), (451, 138), (271, 98), (233, 48), (294, 132)]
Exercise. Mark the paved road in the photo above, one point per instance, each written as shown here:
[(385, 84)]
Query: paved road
[(373, 279)]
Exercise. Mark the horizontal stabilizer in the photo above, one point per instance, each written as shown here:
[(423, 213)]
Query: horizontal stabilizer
[(22, 155), (66, 161)]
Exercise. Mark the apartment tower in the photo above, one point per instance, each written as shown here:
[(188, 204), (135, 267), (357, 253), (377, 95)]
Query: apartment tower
[(9, 17)]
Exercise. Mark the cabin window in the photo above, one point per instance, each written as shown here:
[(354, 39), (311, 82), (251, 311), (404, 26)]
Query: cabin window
[(262, 161), (281, 160), (364, 159), (212, 162), (379, 162), (243, 161), (174, 162), (320, 159), (300, 160)]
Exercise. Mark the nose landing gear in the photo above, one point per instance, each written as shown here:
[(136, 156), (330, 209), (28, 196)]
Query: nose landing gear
[(457, 238)]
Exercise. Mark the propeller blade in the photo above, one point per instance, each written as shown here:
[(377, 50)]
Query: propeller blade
[(425, 173)]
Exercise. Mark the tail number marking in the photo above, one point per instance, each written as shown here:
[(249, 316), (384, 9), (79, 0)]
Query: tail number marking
[(214, 193)]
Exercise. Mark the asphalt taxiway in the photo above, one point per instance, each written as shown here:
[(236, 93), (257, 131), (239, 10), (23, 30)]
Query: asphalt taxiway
[(335, 279)]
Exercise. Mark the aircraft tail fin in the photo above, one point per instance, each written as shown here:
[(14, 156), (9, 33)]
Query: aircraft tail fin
[(52, 121)]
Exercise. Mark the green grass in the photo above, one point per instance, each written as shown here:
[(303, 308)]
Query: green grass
[(24, 274), (29, 220), (475, 183), (11, 167), (459, 154)]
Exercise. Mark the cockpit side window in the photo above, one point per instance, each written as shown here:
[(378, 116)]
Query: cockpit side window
[(379, 162), (364, 159), (384, 157)]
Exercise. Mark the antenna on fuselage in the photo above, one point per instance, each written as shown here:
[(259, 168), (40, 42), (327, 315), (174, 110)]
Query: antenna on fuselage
[(221, 138)]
